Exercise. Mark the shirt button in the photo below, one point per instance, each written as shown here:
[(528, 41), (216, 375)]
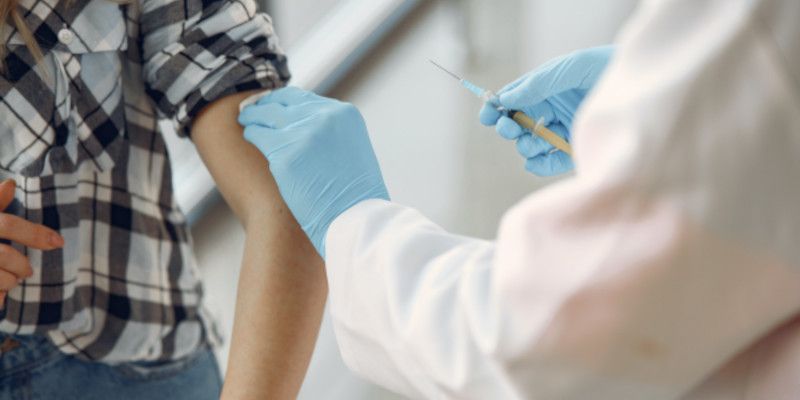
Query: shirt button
[(65, 36)]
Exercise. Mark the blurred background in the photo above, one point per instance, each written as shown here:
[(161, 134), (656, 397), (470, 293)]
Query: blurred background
[(434, 154)]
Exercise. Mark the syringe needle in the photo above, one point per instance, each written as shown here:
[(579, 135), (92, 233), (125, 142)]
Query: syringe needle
[(448, 72), (522, 119), (475, 89)]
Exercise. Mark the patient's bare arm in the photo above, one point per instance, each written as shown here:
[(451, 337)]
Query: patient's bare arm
[(282, 286)]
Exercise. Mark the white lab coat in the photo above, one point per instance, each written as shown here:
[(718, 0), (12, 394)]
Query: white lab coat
[(667, 267)]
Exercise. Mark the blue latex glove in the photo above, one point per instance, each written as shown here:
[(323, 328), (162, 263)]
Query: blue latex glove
[(319, 153), (553, 92)]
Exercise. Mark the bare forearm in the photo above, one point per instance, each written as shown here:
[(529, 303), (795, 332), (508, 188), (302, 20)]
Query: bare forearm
[(282, 285), (278, 313)]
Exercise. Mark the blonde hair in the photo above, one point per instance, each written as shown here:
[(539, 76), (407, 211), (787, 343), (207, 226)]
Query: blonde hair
[(9, 14)]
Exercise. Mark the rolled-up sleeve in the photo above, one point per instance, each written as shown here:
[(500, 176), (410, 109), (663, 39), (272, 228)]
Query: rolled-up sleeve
[(196, 52)]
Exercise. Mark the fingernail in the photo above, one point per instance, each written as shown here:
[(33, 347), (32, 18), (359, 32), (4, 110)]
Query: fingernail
[(56, 240)]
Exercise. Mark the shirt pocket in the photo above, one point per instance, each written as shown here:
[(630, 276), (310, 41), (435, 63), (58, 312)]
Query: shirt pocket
[(64, 112)]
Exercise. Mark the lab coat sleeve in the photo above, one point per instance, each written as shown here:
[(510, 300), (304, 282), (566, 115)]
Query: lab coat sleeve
[(403, 287), (673, 249)]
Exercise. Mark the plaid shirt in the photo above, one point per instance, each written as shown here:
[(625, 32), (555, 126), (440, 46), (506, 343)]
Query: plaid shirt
[(79, 134)]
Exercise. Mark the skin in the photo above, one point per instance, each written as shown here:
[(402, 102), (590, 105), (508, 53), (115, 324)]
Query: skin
[(14, 266), (282, 284)]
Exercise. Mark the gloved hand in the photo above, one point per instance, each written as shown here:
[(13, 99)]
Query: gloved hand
[(552, 92), (319, 154)]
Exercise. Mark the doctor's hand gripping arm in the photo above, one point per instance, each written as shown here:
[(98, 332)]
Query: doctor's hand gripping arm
[(652, 273), (550, 94), (319, 154)]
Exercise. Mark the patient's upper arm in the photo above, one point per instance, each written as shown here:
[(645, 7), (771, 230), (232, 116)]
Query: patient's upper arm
[(239, 169)]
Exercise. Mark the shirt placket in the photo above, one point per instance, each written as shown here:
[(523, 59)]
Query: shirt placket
[(67, 69)]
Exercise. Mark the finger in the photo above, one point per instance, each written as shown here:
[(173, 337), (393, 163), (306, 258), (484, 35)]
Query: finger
[(489, 115), (276, 116), (29, 234), (315, 107), (13, 261), (289, 95), (532, 145), (550, 164), (2, 299), (7, 188), (509, 129), (529, 146), (301, 113), (268, 114), (8, 280)]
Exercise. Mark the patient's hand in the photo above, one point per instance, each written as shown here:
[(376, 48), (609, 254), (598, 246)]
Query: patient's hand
[(14, 266)]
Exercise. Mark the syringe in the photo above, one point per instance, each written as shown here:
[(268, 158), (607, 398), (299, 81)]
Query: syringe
[(519, 117)]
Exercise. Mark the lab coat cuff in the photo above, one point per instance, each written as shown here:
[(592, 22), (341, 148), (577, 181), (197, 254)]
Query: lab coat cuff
[(342, 229), (341, 242)]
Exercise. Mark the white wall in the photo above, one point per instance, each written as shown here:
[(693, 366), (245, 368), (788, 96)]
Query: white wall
[(560, 26), (294, 18), (530, 32)]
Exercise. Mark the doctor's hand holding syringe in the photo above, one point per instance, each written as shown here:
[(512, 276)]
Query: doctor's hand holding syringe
[(549, 95)]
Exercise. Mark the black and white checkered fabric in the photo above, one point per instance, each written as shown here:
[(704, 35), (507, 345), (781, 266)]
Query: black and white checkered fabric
[(79, 134)]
